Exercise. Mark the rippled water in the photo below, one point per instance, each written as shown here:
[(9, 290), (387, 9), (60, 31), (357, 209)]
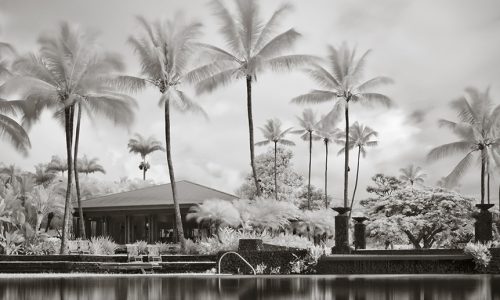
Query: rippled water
[(240, 287)]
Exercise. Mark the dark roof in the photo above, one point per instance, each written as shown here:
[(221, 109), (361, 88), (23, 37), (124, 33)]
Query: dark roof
[(187, 193)]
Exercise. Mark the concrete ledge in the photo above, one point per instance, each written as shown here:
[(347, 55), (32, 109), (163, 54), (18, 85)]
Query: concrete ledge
[(356, 257)]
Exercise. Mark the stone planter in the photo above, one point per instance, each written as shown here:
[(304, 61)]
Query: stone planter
[(359, 233), (341, 231), (484, 223)]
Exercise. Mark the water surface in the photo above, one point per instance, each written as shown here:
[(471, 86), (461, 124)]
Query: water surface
[(126, 287)]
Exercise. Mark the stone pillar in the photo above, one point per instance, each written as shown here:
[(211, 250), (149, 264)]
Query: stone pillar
[(359, 233), (341, 231), (484, 223)]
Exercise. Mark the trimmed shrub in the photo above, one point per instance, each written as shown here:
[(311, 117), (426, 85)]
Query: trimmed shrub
[(102, 245)]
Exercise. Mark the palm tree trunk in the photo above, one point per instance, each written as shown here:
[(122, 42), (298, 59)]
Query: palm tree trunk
[(144, 169), (309, 180), (346, 155), (326, 174), (483, 171), (275, 171), (77, 181), (250, 131), (356, 182), (488, 187), (68, 120), (178, 217)]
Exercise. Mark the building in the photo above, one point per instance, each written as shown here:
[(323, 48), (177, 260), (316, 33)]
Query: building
[(145, 214)]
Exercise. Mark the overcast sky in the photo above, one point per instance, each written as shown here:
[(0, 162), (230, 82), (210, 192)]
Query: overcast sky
[(432, 49)]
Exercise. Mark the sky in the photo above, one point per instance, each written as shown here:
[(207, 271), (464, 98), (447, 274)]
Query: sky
[(432, 50)]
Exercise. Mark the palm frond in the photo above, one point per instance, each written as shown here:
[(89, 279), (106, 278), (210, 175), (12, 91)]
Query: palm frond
[(15, 134), (279, 44), (314, 97), (374, 82), (449, 149), (452, 178), (271, 26), (217, 80)]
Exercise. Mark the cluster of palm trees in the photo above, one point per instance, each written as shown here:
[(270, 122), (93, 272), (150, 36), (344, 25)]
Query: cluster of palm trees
[(69, 76)]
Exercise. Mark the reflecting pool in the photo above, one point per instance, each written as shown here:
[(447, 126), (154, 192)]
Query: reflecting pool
[(122, 287)]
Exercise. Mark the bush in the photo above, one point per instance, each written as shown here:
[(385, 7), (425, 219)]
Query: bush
[(102, 245), (166, 248), (142, 247), (480, 254), (290, 240)]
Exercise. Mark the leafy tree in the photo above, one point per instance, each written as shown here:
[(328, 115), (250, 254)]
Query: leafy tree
[(56, 164), (360, 137), (421, 215), (412, 174), (87, 166), (143, 146), (317, 198), (341, 83), (289, 181), (384, 185), (307, 132), (328, 132), (164, 51), (253, 46), (477, 130), (273, 134)]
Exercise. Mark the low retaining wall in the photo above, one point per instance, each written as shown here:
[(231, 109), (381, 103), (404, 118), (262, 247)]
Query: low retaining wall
[(396, 264), (65, 258), (270, 257)]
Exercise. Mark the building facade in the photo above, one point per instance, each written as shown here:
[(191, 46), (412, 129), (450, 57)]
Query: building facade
[(145, 214)]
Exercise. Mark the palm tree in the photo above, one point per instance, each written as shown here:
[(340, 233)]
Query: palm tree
[(9, 128), (328, 132), (42, 176), (341, 82), (66, 72), (273, 134), (412, 174), (253, 46), (87, 166), (143, 146), (360, 137), (56, 164), (477, 120), (307, 132), (164, 52)]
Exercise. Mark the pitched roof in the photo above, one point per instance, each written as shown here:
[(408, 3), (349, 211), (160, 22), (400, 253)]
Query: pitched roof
[(187, 193)]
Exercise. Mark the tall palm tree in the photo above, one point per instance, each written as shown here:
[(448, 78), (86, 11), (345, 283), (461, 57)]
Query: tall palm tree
[(56, 164), (328, 132), (253, 46), (143, 146), (477, 119), (66, 71), (360, 137), (341, 82), (42, 176), (164, 52), (412, 174), (274, 134), (87, 166), (9, 128), (307, 132)]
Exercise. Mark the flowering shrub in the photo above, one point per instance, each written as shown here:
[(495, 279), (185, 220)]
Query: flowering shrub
[(480, 254)]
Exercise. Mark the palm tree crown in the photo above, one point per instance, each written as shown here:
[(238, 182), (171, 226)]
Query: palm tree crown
[(138, 144), (360, 137), (253, 46), (308, 125), (412, 174), (56, 164), (342, 82), (273, 133), (478, 133), (87, 166), (42, 176)]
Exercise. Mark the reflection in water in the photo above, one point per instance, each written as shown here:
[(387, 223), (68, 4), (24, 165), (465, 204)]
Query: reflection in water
[(249, 288)]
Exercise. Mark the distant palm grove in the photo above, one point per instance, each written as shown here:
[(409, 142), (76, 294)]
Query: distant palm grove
[(74, 79)]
